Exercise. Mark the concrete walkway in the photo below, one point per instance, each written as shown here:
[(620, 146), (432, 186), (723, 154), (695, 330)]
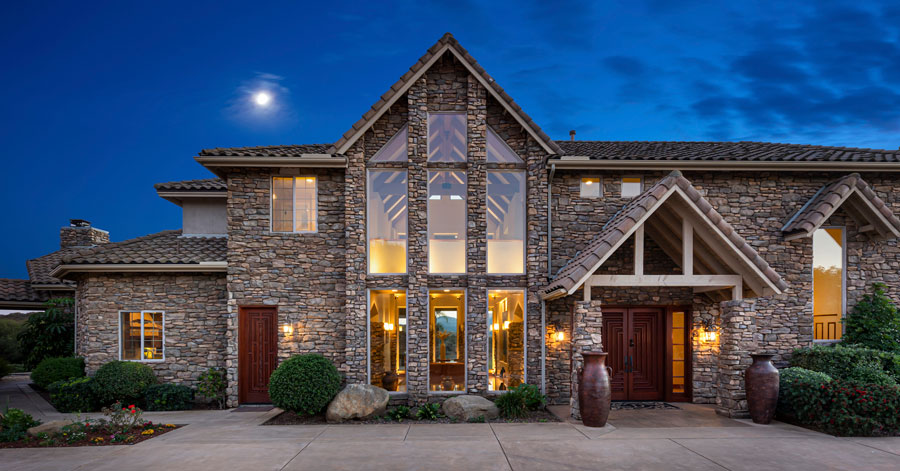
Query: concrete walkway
[(693, 438)]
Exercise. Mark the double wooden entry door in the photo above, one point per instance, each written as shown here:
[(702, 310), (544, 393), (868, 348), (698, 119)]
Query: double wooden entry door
[(634, 338)]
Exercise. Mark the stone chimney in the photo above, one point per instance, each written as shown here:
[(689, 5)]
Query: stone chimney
[(572, 135), (79, 233)]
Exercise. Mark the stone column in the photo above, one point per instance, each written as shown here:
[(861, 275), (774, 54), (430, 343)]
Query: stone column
[(585, 338), (737, 340)]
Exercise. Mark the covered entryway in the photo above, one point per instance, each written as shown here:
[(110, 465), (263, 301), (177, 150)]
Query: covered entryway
[(257, 352)]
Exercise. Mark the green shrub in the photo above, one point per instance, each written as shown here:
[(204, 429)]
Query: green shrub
[(844, 409), (14, 425), (398, 413), (212, 384), (51, 370), (477, 420), (869, 372), (122, 381), (841, 361), (74, 395), (791, 384), (304, 384), (9, 342), (5, 367), (534, 400), (429, 412), (874, 322), (50, 333), (512, 404), (168, 397)]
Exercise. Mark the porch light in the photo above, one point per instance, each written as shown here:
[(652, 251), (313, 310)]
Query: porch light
[(560, 336), (288, 330), (708, 332)]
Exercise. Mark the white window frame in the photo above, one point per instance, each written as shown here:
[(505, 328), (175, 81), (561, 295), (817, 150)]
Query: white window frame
[(622, 185), (369, 336), (428, 172), (465, 344), (369, 172), (143, 360), (812, 274), (599, 185), (524, 222), (293, 204), (487, 341)]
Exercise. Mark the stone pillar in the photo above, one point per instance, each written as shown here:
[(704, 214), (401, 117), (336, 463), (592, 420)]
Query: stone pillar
[(737, 340), (585, 338)]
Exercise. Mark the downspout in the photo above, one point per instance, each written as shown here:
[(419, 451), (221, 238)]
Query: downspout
[(543, 347)]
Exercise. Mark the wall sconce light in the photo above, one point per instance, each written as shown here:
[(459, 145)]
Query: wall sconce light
[(388, 326), (708, 332), (560, 336), (288, 330)]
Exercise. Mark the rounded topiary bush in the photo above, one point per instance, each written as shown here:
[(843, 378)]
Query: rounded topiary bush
[(304, 384), (122, 381), (74, 395), (51, 370)]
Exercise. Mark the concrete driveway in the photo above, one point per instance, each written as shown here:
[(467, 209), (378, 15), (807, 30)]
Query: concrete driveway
[(693, 438)]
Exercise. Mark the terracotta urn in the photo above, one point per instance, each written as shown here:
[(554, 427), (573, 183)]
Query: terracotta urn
[(594, 392), (390, 381), (761, 381)]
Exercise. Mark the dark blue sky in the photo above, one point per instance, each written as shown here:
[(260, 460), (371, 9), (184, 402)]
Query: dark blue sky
[(101, 100)]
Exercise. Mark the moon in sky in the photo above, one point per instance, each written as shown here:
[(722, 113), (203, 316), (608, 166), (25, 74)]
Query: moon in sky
[(262, 98)]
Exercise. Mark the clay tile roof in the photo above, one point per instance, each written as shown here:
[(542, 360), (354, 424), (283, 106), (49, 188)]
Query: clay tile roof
[(723, 151), (267, 151), (834, 194), (570, 276), (416, 70), (206, 184), (39, 268), (162, 247), (21, 291)]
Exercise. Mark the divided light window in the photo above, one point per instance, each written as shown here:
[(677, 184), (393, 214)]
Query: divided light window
[(828, 283), (387, 221), (446, 137), (141, 335), (447, 221), (447, 340), (294, 204), (506, 222)]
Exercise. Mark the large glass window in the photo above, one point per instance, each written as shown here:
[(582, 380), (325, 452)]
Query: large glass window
[(396, 148), (447, 340), (446, 137), (631, 187), (294, 204), (387, 221), (828, 283), (447, 221), (498, 151), (506, 222), (506, 339), (387, 339), (141, 335), (591, 188)]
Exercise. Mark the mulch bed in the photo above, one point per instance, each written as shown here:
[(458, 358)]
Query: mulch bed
[(290, 418), (135, 434)]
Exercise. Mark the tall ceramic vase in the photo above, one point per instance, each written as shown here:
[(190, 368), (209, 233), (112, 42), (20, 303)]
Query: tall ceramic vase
[(761, 381), (594, 392)]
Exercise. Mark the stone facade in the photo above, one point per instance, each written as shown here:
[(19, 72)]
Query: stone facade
[(588, 322), (82, 236)]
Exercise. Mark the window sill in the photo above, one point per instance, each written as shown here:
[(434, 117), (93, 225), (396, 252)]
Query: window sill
[(146, 361), (827, 342), (447, 393)]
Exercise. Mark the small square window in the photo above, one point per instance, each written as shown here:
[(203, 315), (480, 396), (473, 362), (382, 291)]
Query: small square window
[(590, 188), (631, 187)]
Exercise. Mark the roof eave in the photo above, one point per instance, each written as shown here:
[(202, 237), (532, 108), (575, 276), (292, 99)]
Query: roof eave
[(216, 163), (178, 197), (584, 163), (64, 270), (28, 305)]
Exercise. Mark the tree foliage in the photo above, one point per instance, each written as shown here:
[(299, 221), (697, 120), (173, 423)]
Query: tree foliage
[(50, 333), (874, 322)]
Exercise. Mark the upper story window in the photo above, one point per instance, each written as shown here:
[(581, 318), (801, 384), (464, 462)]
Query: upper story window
[(294, 204), (396, 148), (447, 221), (591, 188), (828, 283), (631, 187), (506, 222), (446, 137), (141, 335), (387, 221), (498, 151)]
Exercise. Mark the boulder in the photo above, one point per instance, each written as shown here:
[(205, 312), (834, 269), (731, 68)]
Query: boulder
[(49, 428), (357, 401), (469, 407)]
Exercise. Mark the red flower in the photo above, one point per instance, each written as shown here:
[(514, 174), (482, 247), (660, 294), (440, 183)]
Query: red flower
[(131, 406)]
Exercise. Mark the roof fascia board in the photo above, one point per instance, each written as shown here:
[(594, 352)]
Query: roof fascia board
[(755, 166), (286, 162), (890, 227), (29, 305), (63, 270), (52, 287)]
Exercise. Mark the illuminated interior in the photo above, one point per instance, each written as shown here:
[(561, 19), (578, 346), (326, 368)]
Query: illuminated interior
[(387, 221), (294, 204), (828, 283), (447, 221), (506, 222), (142, 335), (678, 352), (590, 187), (447, 340), (387, 339), (446, 137), (631, 187), (506, 339)]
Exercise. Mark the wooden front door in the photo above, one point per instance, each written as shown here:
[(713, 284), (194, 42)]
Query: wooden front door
[(634, 338), (257, 352)]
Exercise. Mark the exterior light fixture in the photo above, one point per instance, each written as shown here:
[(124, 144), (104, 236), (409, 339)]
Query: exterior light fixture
[(288, 330), (708, 332), (560, 336)]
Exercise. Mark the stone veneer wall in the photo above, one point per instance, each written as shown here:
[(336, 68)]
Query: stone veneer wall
[(738, 339), (82, 237), (586, 337), (195, 320)]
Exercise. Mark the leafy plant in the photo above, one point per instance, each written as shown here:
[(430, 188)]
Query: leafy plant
[(74, 395), (398, 413), (844, 409), (841, 362), (304, 384), (168, 397), (9, 343), (429, 412), (212, 386), (122, 419), (15, 424), (477, 420), (122, 381), (534, 400), (512, 404), (5, 367), (51, 370), (50, 333), (788, 378), (874, 322)]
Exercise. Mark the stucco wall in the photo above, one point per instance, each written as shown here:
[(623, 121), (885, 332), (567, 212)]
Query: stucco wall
[(203, 216)]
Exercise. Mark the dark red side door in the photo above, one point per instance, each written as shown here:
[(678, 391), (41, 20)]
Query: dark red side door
[(257, 352)]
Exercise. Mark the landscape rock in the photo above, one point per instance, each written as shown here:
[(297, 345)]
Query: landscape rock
[(357, 401), (469, 407), (49, 428)]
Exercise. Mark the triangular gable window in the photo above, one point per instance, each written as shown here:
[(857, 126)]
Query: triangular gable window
[(396, 148), (498, 151)]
